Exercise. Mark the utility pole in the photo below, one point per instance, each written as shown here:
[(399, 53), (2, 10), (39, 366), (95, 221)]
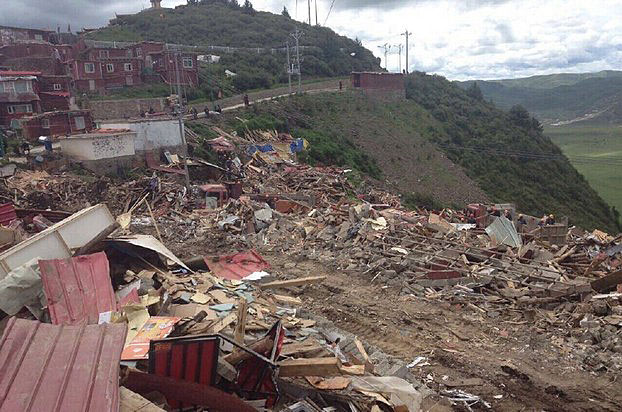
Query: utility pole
[(386, 47), (316, 12), (289, 69), (309, 4), (181, 122), (296, 35), (399, 51), (407, 33)]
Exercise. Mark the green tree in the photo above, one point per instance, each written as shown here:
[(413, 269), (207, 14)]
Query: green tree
[(248, 8), (475, 92), (285, 13)]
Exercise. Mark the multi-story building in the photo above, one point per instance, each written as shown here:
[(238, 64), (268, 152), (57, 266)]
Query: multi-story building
[(19, 96)]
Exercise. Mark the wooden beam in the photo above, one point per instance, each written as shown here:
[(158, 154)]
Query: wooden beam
[(223, 323), (310, 367), (607, 282), (287, 300), (293, 282), (240, 327)]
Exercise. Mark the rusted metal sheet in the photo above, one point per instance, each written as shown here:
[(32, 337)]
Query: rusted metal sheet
[(7, 214), (238, 266), (47, 367), (78, 289)]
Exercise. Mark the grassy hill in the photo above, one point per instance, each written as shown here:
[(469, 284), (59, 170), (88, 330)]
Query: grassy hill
[(441, 146), (592, 97), (224, 23)]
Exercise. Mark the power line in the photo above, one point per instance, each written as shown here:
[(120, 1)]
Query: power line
[(329, 10), (386, 47)]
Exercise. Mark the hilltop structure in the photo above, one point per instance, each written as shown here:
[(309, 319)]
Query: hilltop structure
[(156, 4)]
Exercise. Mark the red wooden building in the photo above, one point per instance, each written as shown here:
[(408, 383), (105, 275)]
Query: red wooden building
[(18, 96), (57, 123), (9, 35)]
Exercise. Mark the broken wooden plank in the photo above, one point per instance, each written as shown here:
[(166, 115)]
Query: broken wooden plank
[(310, 367), (240, 327), (226, 370), (293, 282), (223, 323), (287, 300), (607, 282), (300, 348), (358, 370)]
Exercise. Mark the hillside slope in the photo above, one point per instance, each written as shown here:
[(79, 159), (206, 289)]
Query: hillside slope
[(594, 97), (220, 23), (441, 144), (507, 154), (377, 138)]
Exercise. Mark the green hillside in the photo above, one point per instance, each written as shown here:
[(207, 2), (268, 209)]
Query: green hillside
[(494, 148), (441, 146), (225, 23), (551, 81), (593, 97)]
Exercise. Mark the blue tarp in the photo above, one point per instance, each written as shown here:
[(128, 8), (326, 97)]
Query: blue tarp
[(295, 146)]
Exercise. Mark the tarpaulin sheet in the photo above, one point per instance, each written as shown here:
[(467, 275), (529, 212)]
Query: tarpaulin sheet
[(61, 368), (78, 289), (260, 148), (23, 287), (238, 266)]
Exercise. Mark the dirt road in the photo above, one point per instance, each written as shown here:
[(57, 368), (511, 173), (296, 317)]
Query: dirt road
[(513, 365)]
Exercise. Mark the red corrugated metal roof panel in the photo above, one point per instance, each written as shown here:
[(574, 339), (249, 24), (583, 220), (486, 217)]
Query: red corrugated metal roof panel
[(7, 214), (78, 289), (47, 367), (236, 266)]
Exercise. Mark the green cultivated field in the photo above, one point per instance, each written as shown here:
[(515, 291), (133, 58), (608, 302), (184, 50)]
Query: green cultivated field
[(598, 143)]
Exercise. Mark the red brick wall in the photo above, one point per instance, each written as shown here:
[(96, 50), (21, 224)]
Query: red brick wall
[(379, 81)]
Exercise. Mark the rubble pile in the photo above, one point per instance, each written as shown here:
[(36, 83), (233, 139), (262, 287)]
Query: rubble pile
[(190, 314)]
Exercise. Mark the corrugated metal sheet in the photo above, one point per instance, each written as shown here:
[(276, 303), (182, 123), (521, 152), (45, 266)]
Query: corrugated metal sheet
[(236, 266), (78, 289), (47, 367), (502, 231), (7, 214)]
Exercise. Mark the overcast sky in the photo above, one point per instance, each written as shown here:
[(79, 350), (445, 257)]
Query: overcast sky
[(460, 39)]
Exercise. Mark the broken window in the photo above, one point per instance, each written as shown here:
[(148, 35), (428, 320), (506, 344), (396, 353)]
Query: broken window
[(128, 67), (139, 52), (188, 63), (79, 123), (110, 67), (89, 67)]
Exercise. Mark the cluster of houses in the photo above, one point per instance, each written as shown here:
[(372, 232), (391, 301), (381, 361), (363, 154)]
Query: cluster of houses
[(42, 72)]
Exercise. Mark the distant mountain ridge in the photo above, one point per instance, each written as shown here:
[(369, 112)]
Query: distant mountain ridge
[(560, 98)]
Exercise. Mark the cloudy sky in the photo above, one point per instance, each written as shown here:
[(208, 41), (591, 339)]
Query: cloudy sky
[(460, 39)]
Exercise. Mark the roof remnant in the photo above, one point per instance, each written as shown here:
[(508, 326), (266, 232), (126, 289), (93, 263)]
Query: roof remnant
[(60, 368), (78, 289)]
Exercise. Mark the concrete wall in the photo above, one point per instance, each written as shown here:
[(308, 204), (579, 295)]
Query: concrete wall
[(152, 134), (123, 109), (89, 147)]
